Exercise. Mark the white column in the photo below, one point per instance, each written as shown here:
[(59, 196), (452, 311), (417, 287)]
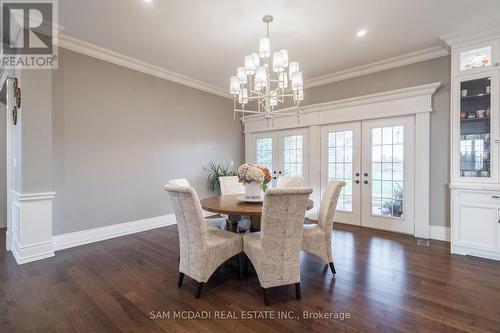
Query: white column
[(422, 174)]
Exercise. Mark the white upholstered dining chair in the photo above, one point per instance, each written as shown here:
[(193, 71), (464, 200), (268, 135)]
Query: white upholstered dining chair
[(317, 238), (288, 181), (275, 250), (215, 220), (202, 249)]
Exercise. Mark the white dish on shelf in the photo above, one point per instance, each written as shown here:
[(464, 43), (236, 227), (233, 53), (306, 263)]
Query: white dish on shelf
[(243, 198)]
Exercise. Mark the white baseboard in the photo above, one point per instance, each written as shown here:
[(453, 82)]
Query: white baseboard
[(440, 233), (32, 252), (88, 236)]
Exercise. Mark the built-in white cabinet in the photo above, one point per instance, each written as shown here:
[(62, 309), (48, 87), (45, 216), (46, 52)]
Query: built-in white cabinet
[(475, 149)]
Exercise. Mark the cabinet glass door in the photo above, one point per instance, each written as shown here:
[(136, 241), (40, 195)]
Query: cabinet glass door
[(475, 129)]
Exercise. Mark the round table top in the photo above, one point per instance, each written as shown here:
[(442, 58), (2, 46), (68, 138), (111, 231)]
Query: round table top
[(228, 204)]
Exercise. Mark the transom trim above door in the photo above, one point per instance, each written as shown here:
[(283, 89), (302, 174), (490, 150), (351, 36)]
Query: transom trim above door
[(414, 102), (400, 102)]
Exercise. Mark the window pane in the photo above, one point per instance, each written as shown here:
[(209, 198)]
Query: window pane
[(388, 171), (264, 152), (340, 165), (293, 155)]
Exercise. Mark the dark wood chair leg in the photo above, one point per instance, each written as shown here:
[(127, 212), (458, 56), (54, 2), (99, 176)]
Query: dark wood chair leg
[(180, 279), (179, 259), (266, 300), (297, 291), (332, 268), (241, 264), (200, 287)]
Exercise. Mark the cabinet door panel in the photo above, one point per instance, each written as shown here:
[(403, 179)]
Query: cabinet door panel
[(477, 226)]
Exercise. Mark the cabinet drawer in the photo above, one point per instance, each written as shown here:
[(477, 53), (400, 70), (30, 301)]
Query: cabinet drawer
[(485, 197)]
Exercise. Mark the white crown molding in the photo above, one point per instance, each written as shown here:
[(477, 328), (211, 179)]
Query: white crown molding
[(88, 236), (101, 53), (463, 38), (382, 65)]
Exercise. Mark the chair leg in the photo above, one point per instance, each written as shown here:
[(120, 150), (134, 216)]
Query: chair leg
[(297, 291), (241, 264), (266, 301), (332, 268), (200, 287), (180, 279)]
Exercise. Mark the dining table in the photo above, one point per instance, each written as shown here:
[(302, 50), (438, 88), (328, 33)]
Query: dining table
[(232, 206)]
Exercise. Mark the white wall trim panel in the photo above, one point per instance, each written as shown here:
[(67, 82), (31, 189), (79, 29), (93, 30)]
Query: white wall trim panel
[(31, 237), (88, 236), (440, 233), (400, 102)]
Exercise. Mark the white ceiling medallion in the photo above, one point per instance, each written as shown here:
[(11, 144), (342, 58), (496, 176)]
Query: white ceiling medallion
[(267, 84)]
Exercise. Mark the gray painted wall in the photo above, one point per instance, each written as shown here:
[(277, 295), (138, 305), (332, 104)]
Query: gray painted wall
[(120, 135), (35, 125), (435, 70)]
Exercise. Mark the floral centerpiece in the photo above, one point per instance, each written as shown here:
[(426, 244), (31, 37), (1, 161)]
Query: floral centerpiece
[(255, 178)]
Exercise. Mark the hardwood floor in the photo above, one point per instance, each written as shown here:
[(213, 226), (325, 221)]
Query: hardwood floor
[(384, 281)]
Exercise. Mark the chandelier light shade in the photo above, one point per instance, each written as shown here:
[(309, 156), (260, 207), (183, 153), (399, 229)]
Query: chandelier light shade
[(264, 47), (242, 75), (266, 81), (235, 86)]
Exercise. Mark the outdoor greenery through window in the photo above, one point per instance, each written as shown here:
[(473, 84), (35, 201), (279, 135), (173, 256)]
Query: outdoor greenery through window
[(387, 171)]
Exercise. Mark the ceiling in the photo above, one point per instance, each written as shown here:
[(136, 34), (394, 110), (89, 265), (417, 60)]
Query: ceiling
[(207, 40)]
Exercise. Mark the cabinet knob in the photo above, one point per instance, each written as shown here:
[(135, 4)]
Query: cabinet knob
[(366, 182)]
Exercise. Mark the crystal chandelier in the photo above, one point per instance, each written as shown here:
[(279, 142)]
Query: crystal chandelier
[(266, 84)]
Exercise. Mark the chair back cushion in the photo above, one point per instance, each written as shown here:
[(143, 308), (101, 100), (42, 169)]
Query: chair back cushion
[(281, 235), (192, 230), (328, 205), (230, 185), (179, 182), (286, 181)]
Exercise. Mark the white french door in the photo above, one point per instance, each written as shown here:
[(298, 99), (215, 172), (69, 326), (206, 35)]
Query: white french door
[(341, 160), (388, 174), (375, 159), (285, 153)]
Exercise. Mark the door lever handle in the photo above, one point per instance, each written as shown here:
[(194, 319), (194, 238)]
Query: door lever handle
[(366, 182)]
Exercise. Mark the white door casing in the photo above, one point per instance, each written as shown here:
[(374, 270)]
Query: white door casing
[(413, 101)]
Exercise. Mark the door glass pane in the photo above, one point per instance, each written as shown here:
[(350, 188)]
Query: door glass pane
[(264, 152), (340, 165), (292, 155), (475, 104), (387, 171)]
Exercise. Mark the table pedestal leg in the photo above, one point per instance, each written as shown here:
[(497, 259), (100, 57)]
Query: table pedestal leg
[(232, 223), (255, 224)]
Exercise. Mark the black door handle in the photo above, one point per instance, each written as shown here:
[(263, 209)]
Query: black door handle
[(357, 181), (366, 182)]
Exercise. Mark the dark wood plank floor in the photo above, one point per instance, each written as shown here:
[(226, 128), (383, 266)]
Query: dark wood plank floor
[(384, 281)]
